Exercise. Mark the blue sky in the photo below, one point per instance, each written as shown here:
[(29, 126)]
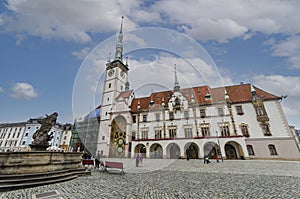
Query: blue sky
[(44, 43)]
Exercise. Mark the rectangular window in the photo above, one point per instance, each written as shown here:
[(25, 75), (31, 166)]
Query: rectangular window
[(266, 130), (205, 130), (157, 134), (188, 132), (24, 142), (239, 110), (144, 118), (134, 118), (272, 149), (186, 115), (244, 129), (224, 129), (171, 116), (172, 132), (157, 117), (202, 113), (260, 111), (144, 134), (133, 135), (250, 150), (221, 111)]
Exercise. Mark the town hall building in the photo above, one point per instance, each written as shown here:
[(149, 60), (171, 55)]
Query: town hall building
[(233, 122)]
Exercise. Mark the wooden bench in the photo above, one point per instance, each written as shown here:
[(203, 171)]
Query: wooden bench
[(88, 162), (111, 165)]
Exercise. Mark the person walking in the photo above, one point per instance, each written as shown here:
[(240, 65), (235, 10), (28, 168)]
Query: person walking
[(217, 158), (141, 158), (137, 159), (97, 160), (188, 154)]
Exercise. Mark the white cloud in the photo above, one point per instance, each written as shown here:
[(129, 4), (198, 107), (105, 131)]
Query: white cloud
[(82, 53), (23, 91), (205, 20), (223, 20), (289, 48), (1, 89), (68, 20)]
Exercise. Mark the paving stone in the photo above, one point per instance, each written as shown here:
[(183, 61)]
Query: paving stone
[(181, 179)]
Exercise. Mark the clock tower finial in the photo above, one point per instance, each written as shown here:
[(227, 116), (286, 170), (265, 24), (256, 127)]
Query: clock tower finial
[(119, 46)]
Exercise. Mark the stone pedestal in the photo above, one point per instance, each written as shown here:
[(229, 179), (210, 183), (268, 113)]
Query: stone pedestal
[(37, 162), (38, 147)]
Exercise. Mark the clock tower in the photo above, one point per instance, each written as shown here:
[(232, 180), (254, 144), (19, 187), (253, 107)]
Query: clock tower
[(116, 81)]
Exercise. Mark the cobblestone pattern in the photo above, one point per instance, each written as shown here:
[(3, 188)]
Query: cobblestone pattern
[(183, 179)]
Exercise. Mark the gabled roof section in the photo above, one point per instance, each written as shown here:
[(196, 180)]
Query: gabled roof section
[(242, 93), (237, 94)]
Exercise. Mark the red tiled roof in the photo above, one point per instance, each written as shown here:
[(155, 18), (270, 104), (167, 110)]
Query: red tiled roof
[(237, 94)]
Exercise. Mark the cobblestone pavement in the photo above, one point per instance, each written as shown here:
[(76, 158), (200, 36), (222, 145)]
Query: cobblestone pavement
[(181, 179)]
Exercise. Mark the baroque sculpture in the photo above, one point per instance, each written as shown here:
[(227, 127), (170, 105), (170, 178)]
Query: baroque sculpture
[(41, 136)]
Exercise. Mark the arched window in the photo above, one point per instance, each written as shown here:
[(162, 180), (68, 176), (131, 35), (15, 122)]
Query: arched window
[(272, 149), (250, 150)]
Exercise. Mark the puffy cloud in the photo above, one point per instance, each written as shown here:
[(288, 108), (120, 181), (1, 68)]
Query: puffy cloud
[(68, 20), (202, 19), (223, 20), (289, 48), (23, 91)]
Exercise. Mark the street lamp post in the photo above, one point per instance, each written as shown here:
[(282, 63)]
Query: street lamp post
[(219, 146)]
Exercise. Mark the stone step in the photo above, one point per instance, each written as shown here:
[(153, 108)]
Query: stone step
[(12, 182)]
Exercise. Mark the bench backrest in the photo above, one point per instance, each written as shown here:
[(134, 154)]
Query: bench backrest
[(118, 165), (88, 162)]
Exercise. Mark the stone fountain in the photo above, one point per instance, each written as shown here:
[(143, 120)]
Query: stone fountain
[(39, 166)]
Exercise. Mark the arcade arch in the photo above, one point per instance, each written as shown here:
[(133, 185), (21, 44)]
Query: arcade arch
[(156, 151), (173, 151)]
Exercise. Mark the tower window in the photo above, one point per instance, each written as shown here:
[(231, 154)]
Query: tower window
[(109, 85)]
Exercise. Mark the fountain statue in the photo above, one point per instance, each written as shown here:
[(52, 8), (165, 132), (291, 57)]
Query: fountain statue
[(42, 137)]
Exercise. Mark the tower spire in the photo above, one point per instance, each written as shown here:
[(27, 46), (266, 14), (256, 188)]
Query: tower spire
[(119, 45), (176, 86)]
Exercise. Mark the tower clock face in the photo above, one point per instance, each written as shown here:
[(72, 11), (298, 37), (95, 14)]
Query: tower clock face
[(111, 72), (122, 74)]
